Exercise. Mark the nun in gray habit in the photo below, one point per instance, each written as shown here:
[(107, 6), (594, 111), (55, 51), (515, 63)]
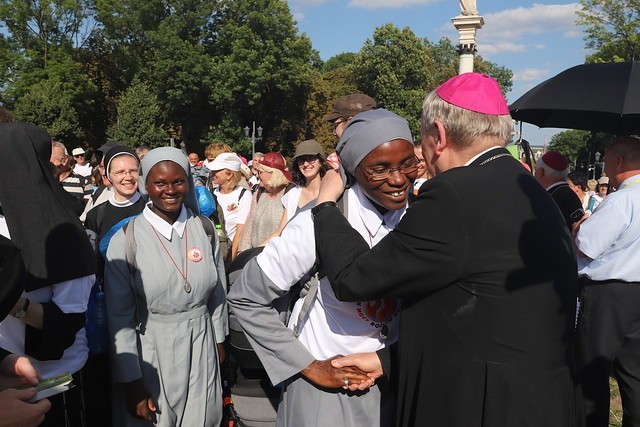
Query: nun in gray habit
[(298, 355), (166, 305)]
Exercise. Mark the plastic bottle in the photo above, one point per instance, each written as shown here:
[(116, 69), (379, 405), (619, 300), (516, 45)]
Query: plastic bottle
[(97, 324)]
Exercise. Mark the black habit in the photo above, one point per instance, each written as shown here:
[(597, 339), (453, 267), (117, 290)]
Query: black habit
[(485, 267)]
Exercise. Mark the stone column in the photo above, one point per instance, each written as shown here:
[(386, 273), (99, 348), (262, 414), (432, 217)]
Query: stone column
[(467, 25)]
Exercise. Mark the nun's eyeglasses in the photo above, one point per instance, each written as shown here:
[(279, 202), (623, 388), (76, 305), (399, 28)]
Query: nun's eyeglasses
[(122, 173), (380, 174)]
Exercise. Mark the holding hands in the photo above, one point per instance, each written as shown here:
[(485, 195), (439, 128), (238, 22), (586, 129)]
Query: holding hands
[(364, 362), (353, 372)]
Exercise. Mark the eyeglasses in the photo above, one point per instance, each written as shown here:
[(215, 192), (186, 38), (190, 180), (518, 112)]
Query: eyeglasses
[(380, 174), (122, 173), (310, 158), (78, 155), (336, 123)]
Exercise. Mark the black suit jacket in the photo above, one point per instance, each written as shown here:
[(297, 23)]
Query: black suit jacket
[(485, 267)]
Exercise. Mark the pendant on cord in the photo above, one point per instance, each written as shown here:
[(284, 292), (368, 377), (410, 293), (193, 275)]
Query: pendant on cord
[(187, 286), (384, 331)]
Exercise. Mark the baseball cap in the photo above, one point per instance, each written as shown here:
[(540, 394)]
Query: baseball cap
[(309, 147), (229, 161), (276, 161), (350, 105)]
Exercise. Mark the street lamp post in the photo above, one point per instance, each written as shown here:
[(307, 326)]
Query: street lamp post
[(597, 156), (254, 138)]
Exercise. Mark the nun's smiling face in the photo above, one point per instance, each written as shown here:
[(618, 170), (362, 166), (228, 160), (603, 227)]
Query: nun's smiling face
[(168, 187), (386, 174)]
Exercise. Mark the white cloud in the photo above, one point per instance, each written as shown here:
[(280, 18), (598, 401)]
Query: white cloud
[(516, 24), (491, 48), (310, 2), (387, 4), (537, 46), (530, 74), (298, 16)]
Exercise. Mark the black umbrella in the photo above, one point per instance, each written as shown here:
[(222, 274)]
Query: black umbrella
[(597, 97)]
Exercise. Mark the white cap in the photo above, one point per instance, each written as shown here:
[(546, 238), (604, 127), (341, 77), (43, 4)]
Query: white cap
[(77, 151), (229, 161)]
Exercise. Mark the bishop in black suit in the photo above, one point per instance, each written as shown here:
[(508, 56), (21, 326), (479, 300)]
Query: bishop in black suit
[(485, 268)]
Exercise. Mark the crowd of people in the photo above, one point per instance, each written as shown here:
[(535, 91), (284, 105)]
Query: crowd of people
[(427, 281)]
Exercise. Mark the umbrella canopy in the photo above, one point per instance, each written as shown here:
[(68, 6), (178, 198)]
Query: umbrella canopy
[(597, 97)]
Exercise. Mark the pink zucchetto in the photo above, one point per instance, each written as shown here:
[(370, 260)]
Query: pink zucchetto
[(475, 92)]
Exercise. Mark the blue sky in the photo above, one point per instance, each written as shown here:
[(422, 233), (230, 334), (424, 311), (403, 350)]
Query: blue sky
[(536, 40)]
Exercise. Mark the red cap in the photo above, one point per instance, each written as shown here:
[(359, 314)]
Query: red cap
[(475, 92), (276, 161), (555, 160)]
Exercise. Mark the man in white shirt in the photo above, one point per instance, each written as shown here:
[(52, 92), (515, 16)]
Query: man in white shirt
[(82, 166), (608, 245)]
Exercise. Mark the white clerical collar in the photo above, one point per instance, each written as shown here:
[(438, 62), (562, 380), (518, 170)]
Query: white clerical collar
[(128, 202), (471, 160), (556, 184), (371, 217), (162, 226)]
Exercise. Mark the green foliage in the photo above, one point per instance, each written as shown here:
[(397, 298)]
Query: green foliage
[(397, 69), (570, 143), (393, 68), (142, 71), (343, 59), (503, 75), (47, 104), (612, 29), (580, 146), (262, 67), (139, 118)]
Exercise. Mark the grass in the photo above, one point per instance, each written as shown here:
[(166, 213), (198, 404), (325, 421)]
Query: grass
[(615, 411)]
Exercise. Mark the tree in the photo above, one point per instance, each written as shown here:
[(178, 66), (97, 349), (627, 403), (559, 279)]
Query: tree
[(393, 68), (262, 69), (612, 29), (397, 69), (580, 146), (47, 104), (139, 118), (344, 59), (570, 143)]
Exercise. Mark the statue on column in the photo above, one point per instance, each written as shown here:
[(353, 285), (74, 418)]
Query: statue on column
[(468, 7)]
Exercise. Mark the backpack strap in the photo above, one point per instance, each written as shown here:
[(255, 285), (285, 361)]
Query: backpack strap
[(130, 247), (308, 292), (312, 279), (210, 230)]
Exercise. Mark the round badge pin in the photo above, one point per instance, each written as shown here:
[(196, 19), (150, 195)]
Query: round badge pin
[(195, 254)]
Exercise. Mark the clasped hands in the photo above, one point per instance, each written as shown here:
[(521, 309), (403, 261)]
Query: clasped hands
[(354, 372)]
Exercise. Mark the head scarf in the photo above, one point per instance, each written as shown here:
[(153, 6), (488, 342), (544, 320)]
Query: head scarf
[(366, 132), (174, 155), (116, 151), (52, 241)]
